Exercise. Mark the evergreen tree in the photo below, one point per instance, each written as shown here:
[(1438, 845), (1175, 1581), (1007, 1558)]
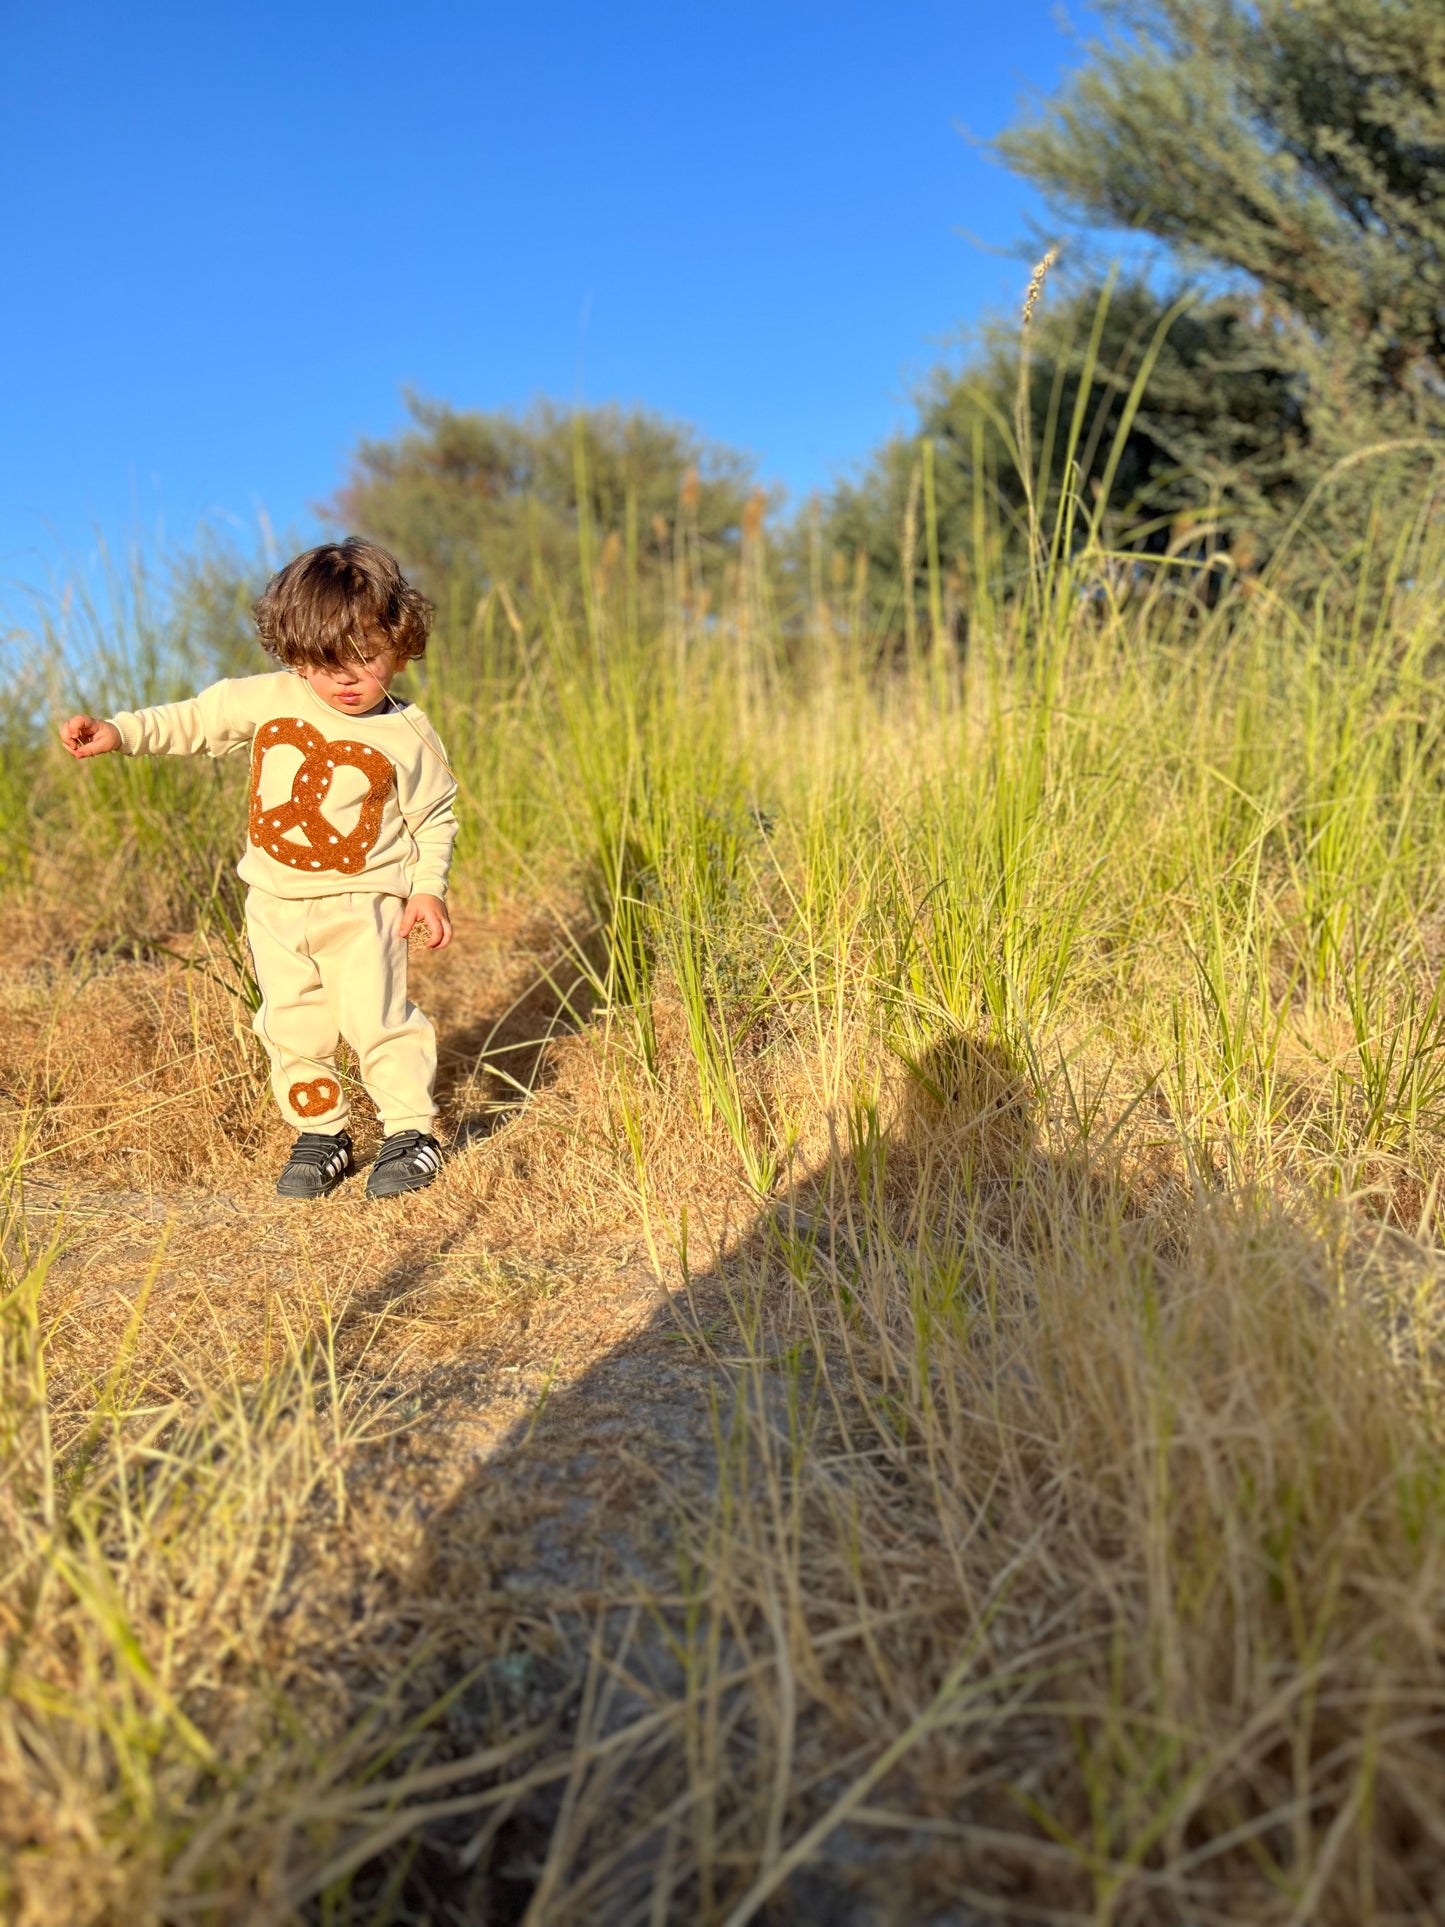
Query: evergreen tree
[(1299, 144), (1291, 156), (1215, 444)]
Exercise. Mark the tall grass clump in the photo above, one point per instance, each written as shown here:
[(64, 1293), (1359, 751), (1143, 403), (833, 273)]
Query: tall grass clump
[(1025, 1063)]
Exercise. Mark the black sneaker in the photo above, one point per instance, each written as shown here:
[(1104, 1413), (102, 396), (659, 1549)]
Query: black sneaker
[(407, 1161), (318, 1162)]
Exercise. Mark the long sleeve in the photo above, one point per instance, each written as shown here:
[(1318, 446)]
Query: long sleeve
[(216, 721), (335, 803), (426, 793), (434, 836)]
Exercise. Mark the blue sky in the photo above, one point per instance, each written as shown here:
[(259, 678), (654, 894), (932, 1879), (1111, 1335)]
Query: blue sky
[(235, 235)]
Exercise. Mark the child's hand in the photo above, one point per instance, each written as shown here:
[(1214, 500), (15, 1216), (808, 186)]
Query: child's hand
[(431, 912), (86, 736)]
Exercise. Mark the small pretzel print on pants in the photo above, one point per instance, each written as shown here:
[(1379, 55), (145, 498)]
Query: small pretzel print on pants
[(315, 1099), (325, 847)]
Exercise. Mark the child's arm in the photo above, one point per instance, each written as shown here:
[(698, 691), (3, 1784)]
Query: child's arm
[(428, 807), (433, 835), (208, 724)]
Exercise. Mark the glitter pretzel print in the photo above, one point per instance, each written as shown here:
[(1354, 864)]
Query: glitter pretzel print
[(325, 847), (315, 1099)]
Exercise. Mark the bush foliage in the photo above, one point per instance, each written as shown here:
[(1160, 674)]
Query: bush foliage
[(469, 500)]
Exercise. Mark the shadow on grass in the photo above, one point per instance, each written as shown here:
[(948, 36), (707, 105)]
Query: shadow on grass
[(603, 1494)]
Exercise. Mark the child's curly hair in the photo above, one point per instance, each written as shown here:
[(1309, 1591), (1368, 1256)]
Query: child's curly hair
[(342, 602)]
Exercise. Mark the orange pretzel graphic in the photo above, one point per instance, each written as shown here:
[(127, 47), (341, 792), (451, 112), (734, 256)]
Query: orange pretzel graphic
[(322, 1094), (325, 847)]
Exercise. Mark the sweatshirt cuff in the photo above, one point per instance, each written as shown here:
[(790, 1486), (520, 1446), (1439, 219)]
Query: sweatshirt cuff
[(129, 727), (429, 887)]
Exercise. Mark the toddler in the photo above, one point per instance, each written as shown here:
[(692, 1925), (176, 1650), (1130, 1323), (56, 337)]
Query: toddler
[(350, 837)]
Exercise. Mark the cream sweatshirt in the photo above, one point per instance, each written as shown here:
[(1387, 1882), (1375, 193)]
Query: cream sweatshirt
[(338, 803)]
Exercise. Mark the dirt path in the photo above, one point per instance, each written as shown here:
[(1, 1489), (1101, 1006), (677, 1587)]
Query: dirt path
[(549, 1403)]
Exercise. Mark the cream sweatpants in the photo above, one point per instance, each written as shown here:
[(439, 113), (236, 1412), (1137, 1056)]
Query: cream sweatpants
[(332, 967)]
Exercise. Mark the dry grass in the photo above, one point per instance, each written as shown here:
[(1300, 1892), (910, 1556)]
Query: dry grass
[(226, 1423), (1023, 1493)]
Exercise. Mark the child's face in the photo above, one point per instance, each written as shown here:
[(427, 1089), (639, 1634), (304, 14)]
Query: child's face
[(353, 687)]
